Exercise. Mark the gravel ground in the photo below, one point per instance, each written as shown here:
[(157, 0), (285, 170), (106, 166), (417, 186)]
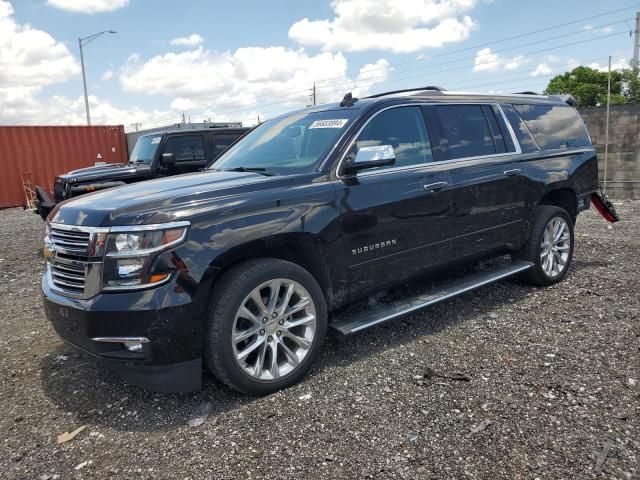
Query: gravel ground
[(509, 381)]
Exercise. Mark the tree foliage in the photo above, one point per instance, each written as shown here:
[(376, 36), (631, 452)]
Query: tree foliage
[(589, 86)]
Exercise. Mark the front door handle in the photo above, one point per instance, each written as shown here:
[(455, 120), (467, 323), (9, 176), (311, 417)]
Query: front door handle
[(435, 187), (513, 172)]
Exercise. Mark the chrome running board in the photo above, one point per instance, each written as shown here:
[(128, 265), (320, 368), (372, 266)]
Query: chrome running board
[(347, 322)]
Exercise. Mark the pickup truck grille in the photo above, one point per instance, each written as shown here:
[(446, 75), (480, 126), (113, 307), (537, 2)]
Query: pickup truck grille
[(69, 274), (71, 240)]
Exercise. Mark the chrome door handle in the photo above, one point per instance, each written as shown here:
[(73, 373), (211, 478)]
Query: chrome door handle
[(513, 172), (435, 187)]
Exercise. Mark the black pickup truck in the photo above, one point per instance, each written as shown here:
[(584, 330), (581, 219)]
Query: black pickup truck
[(244, 266), (154, 155)]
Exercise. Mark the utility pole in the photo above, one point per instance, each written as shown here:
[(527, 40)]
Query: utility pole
[(81, 43), (314, 94), (606, 129), (636, 42), (183, 119), (84, 83)]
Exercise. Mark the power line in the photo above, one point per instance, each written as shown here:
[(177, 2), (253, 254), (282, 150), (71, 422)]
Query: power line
[(292, 99), (228, 112), (494, 42), (496, 52)]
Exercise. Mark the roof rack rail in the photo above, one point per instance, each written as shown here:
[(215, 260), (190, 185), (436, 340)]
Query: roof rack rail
[(526, 93), (404, 90)]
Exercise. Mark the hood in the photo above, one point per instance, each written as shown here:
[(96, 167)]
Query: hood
[(110, 171), (173, 197)]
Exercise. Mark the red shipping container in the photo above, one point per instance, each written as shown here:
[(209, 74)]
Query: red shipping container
[(48, 151)]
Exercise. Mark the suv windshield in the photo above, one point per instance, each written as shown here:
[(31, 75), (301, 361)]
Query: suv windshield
[(287, 145), (145, 149)]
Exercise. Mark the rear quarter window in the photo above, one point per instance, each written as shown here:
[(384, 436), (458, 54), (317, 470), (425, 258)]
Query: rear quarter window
[(554, 126)]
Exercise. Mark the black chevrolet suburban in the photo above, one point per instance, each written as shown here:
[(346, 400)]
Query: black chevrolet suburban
[(244, 266), (154, 155)]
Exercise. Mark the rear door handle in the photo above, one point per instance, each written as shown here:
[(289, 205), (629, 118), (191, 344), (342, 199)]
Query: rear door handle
[(435, 187), (513, 172)]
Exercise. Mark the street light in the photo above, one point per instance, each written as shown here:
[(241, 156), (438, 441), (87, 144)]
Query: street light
[(82, 42)]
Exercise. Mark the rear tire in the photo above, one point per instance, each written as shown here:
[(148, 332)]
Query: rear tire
[(549, 247), (267, 322)]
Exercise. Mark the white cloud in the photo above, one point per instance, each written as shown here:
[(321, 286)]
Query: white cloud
[(230, 83), (617, 64), (30, 59), (88, 6), (487, 61), (400, 26), (591, 28), (541, 69), (60, 110), (107, 75), (572, 63), (192, 40)]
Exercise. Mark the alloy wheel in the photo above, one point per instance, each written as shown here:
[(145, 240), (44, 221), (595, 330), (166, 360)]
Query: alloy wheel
[(555, 247), (274, 329)]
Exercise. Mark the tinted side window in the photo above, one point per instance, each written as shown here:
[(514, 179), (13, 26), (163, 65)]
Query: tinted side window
[(404, 129), (555, 126), (223, 140), (186, 147), (466, 130), (527, 143)]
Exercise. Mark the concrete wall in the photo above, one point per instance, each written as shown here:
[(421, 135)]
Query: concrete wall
[(623, 166)]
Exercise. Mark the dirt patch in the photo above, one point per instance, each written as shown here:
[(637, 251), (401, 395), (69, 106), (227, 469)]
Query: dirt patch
[(509, 381)]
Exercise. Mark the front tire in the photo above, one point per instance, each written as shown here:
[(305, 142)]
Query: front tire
[(549, 247), (267, 322)]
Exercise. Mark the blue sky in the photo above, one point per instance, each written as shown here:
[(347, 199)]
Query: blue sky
[(241, 59)]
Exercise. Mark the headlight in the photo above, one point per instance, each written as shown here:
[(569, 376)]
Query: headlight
[(131, 257)]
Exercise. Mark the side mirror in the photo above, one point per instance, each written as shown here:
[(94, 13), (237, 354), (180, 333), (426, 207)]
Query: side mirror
[(168, 160), (370, 157)]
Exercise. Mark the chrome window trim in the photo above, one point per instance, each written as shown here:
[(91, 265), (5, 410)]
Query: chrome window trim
[(516, 143), (433, 165)]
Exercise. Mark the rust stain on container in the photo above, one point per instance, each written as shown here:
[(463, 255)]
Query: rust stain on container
[(48, 151)]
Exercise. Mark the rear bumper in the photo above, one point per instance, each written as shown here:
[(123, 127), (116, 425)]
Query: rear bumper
[(584, 202), (168, 356)]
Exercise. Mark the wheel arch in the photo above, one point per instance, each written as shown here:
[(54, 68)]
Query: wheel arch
[(303, 249), (564, 197)]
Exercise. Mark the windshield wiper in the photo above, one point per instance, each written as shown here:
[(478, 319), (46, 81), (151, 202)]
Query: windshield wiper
[(261, 170)]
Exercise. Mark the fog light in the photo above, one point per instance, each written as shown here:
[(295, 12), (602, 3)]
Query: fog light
[(130, 267), (133, 346)]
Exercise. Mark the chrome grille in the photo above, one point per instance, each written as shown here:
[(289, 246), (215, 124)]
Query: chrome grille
[(69, 274), (70, 240)]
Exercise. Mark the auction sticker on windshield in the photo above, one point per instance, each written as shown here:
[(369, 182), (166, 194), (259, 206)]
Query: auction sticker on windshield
[(332, 123), (155, 140)]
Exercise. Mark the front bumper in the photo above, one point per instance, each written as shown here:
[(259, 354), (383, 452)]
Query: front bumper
[(170, 361), (44, 203)]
